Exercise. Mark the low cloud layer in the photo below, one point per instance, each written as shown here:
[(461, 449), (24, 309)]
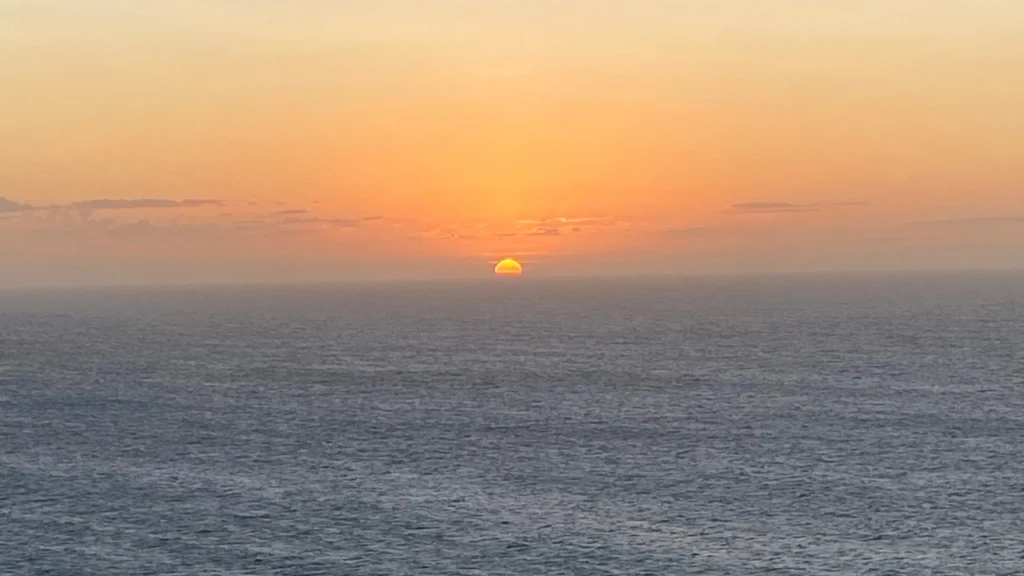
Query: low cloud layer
[(785, 207), (141, 203), (544, 231), (568, 221), (10, 206), (725, 232), (976, 222), (331, 222)]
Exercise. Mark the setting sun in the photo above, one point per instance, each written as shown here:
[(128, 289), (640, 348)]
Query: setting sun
[(508, 267)]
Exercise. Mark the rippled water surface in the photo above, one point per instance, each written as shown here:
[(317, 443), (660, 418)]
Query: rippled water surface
[(846, 425)]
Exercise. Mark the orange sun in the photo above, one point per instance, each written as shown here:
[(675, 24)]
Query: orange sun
[(508, 268)]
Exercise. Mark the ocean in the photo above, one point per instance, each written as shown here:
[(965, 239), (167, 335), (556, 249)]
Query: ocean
[(845, 424)]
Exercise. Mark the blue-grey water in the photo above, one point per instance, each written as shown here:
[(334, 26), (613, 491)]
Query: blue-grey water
[(795, 425)]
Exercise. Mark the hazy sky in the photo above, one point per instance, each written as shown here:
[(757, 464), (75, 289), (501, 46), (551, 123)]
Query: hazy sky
[(192, 140)]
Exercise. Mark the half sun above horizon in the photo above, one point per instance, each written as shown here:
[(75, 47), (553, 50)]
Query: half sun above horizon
[(508, 268)]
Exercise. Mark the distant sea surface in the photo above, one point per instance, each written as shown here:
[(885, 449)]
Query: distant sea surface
[(801, 425)]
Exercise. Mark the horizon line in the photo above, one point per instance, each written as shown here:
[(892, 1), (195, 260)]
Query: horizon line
[(526, 278)]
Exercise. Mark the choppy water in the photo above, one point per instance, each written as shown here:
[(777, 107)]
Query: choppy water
[(806, 426)]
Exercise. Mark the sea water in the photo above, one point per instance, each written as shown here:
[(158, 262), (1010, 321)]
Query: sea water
[(801, 425)]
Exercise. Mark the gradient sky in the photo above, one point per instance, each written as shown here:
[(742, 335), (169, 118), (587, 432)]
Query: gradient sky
[(234, 140)]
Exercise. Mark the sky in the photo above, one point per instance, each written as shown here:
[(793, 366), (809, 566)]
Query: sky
[(259, 140)]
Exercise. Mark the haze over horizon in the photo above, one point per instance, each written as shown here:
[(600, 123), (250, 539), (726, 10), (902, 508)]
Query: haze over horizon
[(228, 141)]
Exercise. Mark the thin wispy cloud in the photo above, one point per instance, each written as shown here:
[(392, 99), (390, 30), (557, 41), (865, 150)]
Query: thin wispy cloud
[(140, 203), (974, 222), (249, 224), (133, 228), (330, 222), (446, 234), (692, 232), (785, 207), (568, 221), (724, 232), (770, 208), (544, 231)]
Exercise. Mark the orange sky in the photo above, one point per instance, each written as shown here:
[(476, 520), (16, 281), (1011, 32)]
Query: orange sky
[(333, 139)]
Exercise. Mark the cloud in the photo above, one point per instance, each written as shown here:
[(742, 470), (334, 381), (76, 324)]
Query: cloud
[(340, 222), (302, 221), (447, 233), (573, 224), (544, 231), (332, 222), (194, 202), (132, 228), (771, 207), (134, 204), (729, 232), (372, 218), (9, 206), (785, 207), (249, 224), (976, 222), (695, 232), (567, 221)]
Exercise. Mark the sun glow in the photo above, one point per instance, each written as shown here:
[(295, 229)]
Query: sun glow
[(508, 268)]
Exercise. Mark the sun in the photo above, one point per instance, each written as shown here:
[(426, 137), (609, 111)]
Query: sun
[(508, 268)]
